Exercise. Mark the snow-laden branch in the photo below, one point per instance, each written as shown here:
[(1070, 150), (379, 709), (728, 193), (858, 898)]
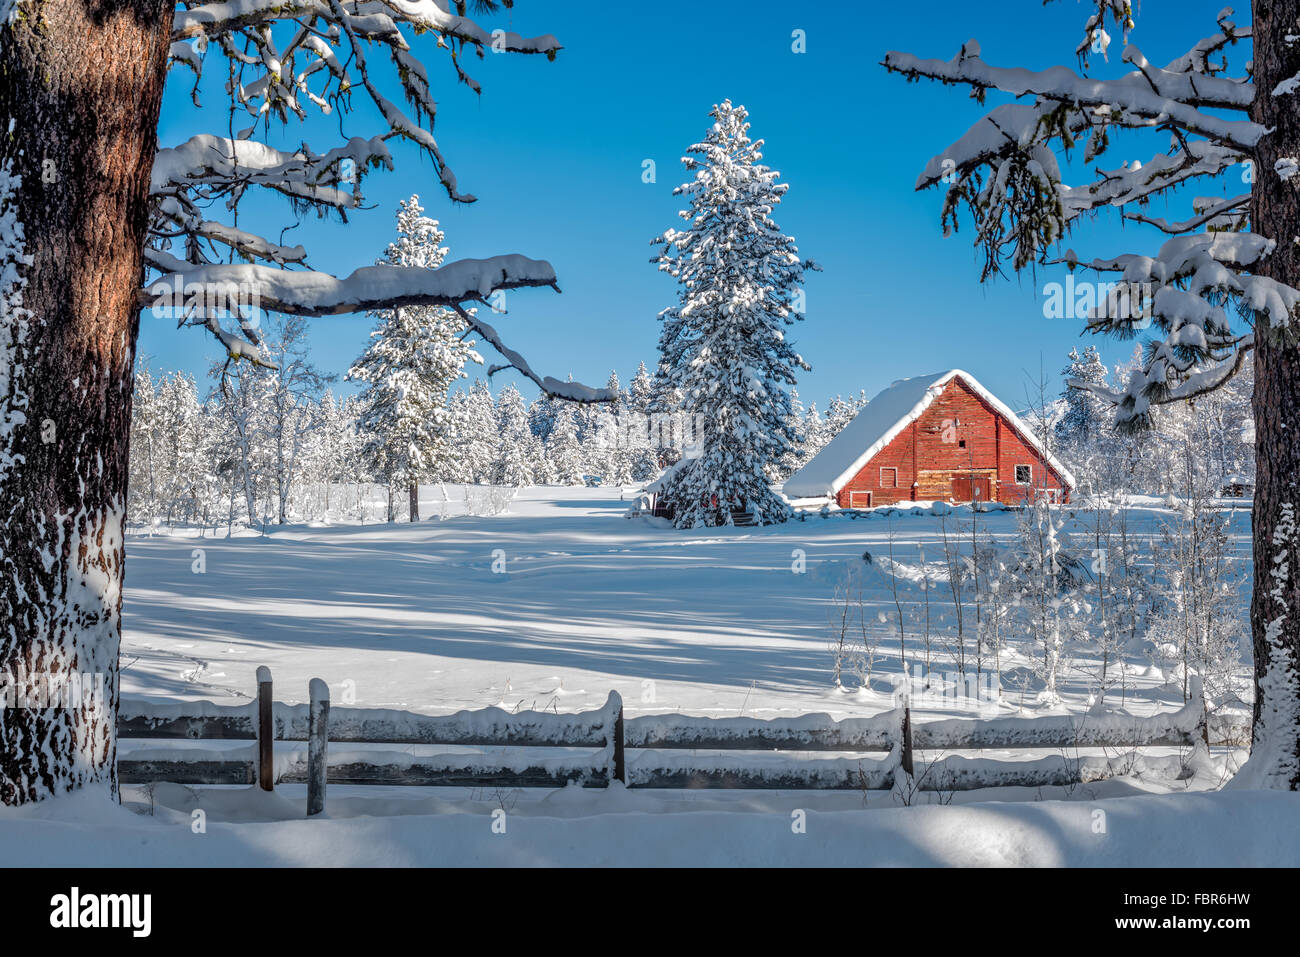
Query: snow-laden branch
[(214, 19), (1192, 266), (573, 391), (1183, 256), (1213, 212), (1183, 292), (1197, 59), (249, 245), (1005, 171), (1161, 381), (1149, 93), (330, 46), (1137, 183), (206, 161), (308, 293), (319, 58)]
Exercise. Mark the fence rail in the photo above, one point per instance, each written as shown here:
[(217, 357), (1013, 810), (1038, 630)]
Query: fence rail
[(760, 753)]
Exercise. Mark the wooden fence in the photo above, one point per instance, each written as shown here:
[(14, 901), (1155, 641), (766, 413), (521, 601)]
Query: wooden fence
[(755, 753)]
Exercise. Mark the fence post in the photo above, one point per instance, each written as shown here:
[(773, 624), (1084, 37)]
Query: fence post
[(265, 731), (906, 756), (618, 770), (318, 717)]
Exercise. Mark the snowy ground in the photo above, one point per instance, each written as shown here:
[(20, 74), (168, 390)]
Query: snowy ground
[(582, 601), (573, 827), (551, 605)]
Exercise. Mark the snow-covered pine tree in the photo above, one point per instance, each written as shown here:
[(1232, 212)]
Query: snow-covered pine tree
[(518, 451), (839, 413), (541, 416), (563, 453), (147, 443), (80, 101), (641, 427), (640, 390), (1087, 416), (482, 436), (724, 346), (1218, 286), (796, 454), (815, 432), (607, 448), (414, 356)]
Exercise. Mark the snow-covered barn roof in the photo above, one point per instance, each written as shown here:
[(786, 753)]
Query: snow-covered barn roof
[(883, 418)]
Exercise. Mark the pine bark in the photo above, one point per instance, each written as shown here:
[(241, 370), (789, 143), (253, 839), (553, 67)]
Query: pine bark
[(1275, 604), (81, 85), (415, 501)]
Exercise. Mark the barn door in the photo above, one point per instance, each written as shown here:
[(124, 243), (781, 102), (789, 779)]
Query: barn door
[(966, 488)]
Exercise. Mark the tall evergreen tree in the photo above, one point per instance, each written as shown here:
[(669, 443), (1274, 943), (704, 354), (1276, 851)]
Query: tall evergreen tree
[(724, 346)]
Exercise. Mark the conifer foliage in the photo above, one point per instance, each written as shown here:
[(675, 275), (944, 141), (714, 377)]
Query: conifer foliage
[(723, 347), (415, 354)]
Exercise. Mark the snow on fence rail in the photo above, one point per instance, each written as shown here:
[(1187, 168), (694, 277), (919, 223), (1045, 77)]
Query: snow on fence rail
[(758, 753)]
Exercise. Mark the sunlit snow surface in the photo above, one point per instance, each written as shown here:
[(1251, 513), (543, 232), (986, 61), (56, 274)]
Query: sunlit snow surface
[(710, 622)]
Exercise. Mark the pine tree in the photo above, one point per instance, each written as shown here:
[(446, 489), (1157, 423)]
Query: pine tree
[(518, 451), (480, 440), (1086, 415), (724, 346), (563, 453), (796, 455), (415, 354), (640, 390), (839, 413), (815, 432)]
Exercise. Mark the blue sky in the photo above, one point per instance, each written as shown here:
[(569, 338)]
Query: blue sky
[(555, 153)]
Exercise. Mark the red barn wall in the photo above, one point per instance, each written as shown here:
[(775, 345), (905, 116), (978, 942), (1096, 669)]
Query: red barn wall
[(929, 453)]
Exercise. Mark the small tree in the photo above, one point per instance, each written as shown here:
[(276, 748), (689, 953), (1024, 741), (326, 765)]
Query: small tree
[(414, 356), (292, 391), (563, 453)]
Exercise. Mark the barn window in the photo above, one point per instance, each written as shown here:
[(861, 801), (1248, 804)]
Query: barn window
[(889, 478), (961, 443), (1024, 474)]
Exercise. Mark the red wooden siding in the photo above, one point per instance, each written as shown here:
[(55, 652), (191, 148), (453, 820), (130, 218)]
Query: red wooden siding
[(959, 444)]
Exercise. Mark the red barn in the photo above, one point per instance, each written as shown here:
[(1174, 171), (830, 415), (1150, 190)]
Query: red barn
[(938, 437)]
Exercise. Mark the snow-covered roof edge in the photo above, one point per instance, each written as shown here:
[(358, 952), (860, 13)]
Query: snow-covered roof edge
[(932, 391)]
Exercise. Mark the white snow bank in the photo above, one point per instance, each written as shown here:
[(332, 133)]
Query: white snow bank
[(620, 828)]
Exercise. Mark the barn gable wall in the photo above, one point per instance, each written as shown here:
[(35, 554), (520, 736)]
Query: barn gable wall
[(929, 454)]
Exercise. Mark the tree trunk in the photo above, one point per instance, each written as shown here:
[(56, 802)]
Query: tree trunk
[(80, 89), (415, 501), (1275, 604)]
